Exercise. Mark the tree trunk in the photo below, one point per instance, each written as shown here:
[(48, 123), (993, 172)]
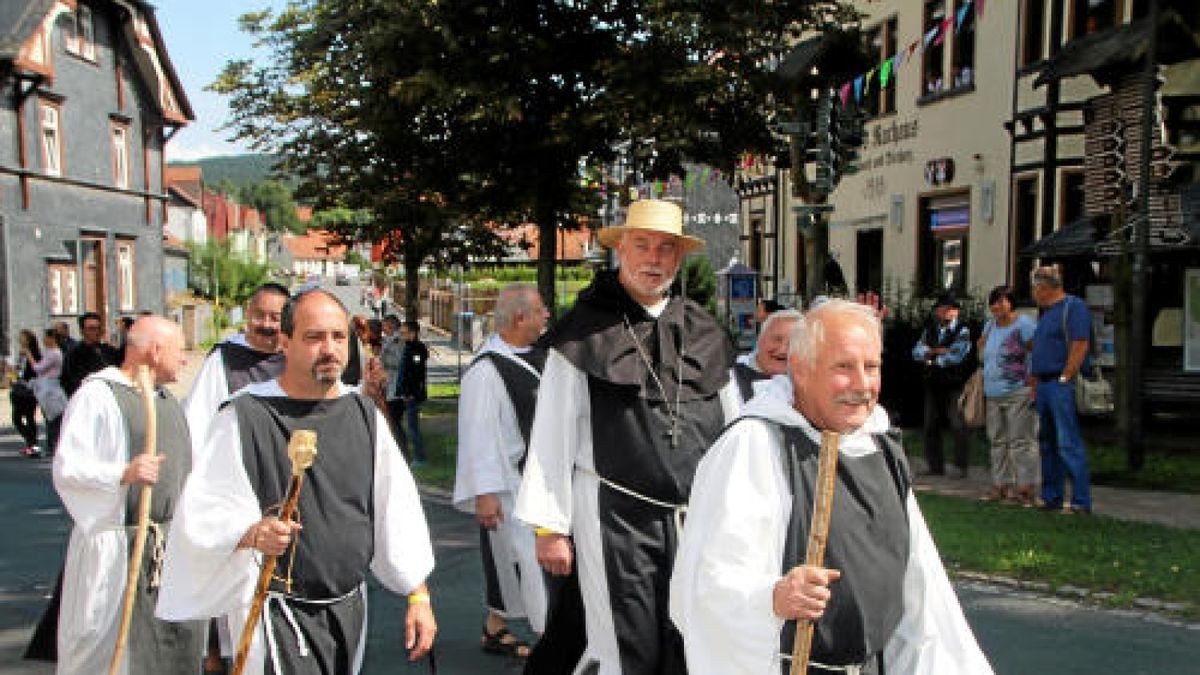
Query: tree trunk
[(412, 283), (547, 253)]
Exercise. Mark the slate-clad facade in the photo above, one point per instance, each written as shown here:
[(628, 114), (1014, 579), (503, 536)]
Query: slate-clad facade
[(88, 102)]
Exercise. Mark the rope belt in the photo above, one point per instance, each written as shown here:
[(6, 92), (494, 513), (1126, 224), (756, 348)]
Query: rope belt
[(154, 531), (678, 511), (282, 600), (851, 669)]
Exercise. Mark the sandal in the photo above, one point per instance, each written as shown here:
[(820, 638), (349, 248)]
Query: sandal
[(997, 493), (505, 643)]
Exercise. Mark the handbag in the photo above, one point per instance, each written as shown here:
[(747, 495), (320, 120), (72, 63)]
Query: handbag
[(1093, 396), (50, 396), (971, 403)]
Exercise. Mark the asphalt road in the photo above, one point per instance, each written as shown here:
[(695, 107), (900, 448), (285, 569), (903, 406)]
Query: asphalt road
[(1020, 633)]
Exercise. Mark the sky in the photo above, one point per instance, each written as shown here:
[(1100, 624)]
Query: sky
[(201, 36)]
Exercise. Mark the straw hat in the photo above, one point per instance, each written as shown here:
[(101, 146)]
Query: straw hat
[(652, 215)]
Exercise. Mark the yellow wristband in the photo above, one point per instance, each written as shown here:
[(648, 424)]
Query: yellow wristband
[(543, 531), (414, 598)]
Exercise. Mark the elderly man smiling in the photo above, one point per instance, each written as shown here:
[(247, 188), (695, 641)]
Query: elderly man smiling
[(884, 603)]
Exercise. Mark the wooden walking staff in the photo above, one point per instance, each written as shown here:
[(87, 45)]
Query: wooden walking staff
[(302, 450), (818, 534), (145, 384)]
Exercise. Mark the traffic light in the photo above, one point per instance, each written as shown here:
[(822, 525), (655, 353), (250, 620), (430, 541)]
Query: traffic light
[(825, 179), (848, 138)]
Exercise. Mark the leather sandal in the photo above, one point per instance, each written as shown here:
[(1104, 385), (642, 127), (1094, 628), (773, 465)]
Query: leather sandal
[(504, 643)]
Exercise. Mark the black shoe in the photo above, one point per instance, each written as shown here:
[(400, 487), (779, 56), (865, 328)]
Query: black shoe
[(1073, 510), (1056, 508)]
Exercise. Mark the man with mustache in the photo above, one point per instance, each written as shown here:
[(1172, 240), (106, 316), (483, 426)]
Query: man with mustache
[(883, 602), (635, 388), (769, 358), (358, 510), (239, 360)]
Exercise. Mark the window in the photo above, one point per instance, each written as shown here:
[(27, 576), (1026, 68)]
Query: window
[(70, 34), (962, 66), (1072, 197), (63, 289), (945, 225), (120, 155), (1090, 16), (51, 139), (1033, 31), (1025, 217), (933, 66), (125, 275), (87, 33), (879, 44)]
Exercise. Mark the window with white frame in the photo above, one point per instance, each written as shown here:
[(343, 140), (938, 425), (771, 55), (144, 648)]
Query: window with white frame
[(125, 275), (63, 289), (120, 155), (51, 126), (70, 33), (87, 32)]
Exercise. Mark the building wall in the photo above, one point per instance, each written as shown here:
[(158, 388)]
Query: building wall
[(85, 202), (965, 127)]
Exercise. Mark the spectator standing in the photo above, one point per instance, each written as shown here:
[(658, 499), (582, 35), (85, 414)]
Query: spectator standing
[(49, 391), (752, 371), (391, 355), (1011, 423), (1060, 351), (24, 403), (89, 356), (411, 386), (947, 354)]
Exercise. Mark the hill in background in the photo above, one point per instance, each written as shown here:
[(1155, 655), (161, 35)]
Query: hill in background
[(241, 170)]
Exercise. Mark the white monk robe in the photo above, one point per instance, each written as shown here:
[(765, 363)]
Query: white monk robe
[(490, 446), (204, 573), (560, 491), (731, 556), (91, 458)]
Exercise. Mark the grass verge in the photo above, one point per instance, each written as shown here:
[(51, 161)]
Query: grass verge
[(1128, 560)]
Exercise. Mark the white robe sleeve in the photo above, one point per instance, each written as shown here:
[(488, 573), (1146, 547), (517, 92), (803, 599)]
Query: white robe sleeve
[(485, 420), (204, 574), (209, 390), (729, 556), (561, 425), (91, 458), (403, 551), (933, 637)]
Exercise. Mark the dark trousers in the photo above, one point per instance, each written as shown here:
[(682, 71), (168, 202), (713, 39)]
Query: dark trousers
[(396, 416), (24, 415), (942, 412)]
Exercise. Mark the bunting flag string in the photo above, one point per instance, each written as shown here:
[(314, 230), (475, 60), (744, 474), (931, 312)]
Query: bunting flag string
[(886, 71)]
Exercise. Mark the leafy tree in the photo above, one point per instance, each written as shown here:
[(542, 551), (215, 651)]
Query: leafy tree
[(274, 200), (223, 277), (438, 116)]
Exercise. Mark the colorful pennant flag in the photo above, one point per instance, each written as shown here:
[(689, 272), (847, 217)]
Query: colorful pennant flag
[(962, 14), (858, 87), (929, 36), (885, 73), (845, 94)]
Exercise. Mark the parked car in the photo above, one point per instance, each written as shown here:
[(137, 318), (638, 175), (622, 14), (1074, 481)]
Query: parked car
[(342, 280)]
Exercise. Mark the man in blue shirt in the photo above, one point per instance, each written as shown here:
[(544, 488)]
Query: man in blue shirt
[(1060, 351), (946, 352)]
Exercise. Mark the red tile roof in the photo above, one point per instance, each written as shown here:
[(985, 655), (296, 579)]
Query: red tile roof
[(315, 245)]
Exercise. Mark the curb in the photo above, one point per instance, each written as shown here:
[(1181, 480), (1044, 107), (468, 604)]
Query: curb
[(1148, 609)]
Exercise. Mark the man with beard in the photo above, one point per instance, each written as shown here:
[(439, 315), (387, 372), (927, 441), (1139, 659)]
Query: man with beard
[(239, 360), (495, 414), (635, 389), (740, 581), (769, 358), (99, 471), (358, 510)]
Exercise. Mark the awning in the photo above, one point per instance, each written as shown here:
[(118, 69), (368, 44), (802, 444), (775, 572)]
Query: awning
[(1074, 240), (1109, 53)]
